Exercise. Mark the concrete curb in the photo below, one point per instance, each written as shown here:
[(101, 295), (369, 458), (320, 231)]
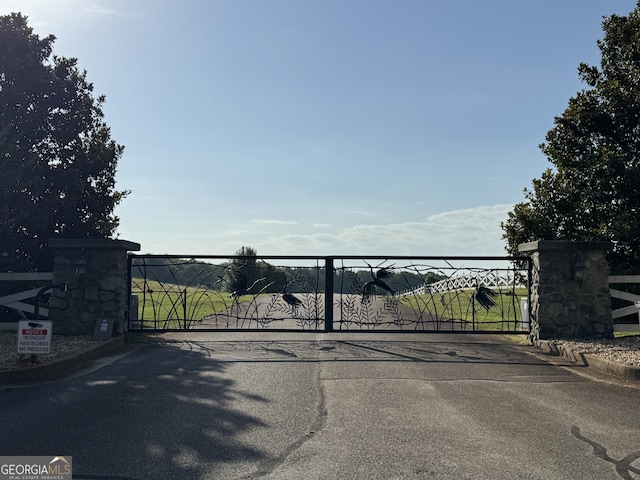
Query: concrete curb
[(63, 365), (602, 365)]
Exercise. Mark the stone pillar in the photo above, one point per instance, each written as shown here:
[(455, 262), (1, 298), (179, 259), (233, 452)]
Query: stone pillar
[(95, 273), (569, 289)]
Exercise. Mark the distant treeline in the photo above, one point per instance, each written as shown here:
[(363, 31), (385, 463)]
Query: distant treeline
[(186, 272), (252, 275)]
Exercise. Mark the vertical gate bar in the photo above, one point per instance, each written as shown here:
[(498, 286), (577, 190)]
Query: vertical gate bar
[(473, 312), (529, 286), (129, 280), (328, 294), (184, 308)]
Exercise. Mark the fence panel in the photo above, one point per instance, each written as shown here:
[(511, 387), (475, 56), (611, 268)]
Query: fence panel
[(625, 296), (16, 303)]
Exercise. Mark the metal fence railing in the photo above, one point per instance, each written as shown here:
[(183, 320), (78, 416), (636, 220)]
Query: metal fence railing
[(425, 294)]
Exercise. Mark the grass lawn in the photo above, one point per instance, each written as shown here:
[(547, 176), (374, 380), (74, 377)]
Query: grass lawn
[(462, 306), (168, 305)]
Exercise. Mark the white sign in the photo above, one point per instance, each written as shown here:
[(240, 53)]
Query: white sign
[(34, 336)]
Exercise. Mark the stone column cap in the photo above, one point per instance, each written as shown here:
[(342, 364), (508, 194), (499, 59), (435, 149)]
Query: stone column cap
[(94, 243), (566, 245)]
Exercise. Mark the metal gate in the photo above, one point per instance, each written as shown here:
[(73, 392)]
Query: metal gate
[(378, 294)]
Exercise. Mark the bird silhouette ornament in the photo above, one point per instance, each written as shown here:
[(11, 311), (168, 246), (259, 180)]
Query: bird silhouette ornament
[(291, 300), (369, 288), (485, 297)]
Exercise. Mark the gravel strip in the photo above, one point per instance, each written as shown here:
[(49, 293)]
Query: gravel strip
[(625, 350), (60, 346)]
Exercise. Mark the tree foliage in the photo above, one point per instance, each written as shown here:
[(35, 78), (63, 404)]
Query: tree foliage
[(593, 190), (57, 158), (247, 275)]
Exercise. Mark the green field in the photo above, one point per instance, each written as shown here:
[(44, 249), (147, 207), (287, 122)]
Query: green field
[(168, 305), (462, 306)]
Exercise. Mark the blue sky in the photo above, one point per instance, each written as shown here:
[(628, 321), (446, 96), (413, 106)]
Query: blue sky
[(326, 127)]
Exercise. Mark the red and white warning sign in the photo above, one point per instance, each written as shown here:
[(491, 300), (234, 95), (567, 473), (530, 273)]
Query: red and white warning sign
[(34, 336)]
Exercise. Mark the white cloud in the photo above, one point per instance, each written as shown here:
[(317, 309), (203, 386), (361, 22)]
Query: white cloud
[(103, 11), (468, 232), (276, 222)]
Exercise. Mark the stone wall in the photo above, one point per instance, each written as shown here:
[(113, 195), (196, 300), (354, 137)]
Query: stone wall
[(569, 289), (95, 273)]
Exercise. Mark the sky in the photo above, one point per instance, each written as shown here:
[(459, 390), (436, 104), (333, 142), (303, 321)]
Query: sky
[(326, 127)]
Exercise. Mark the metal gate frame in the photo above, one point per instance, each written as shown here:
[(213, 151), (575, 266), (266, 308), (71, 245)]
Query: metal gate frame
[(374, 289)]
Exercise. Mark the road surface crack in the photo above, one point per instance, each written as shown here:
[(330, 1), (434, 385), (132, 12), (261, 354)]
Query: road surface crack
[(319, 422)]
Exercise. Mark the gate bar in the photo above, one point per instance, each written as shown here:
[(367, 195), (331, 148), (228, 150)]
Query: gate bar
[(328, 294)]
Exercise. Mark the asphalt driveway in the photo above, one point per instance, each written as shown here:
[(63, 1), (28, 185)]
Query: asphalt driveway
[(328, 406)]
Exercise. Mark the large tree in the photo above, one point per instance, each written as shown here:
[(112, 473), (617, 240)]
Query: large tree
[(57, 158), (246, 275), (592, 192)]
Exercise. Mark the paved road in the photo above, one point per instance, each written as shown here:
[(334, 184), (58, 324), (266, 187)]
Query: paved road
[(319, 406), (350, 312)]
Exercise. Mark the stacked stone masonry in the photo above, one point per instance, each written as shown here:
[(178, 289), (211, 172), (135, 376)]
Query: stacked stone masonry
[(569, 290), (95, 275)]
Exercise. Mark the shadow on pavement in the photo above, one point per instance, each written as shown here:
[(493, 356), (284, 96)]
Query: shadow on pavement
[(172, 420), (345, 350)]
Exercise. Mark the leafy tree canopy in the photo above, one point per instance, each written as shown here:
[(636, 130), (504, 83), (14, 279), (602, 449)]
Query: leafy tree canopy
[(592, 192), (57, 158), (246, 275)]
